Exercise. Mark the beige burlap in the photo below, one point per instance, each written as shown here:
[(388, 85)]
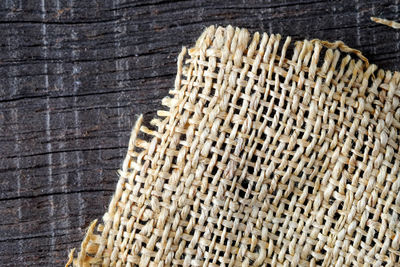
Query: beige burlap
[(269, 154)]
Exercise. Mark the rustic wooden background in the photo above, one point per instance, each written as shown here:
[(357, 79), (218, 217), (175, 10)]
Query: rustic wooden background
[(75, 74)]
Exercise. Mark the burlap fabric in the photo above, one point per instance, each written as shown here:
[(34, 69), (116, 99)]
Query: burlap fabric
[(269, 154)]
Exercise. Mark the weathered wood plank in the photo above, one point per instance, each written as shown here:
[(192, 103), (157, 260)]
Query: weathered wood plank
[(74, 74)]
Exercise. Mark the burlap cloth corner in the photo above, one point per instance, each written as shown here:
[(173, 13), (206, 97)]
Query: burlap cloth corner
[(269, 154)]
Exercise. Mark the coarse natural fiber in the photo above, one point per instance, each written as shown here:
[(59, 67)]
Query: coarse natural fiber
[(269, 155)]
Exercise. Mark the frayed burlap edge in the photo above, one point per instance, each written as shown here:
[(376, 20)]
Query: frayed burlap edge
[(87, 254)]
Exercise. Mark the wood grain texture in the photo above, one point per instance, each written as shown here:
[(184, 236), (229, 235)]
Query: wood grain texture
[(75, 74)]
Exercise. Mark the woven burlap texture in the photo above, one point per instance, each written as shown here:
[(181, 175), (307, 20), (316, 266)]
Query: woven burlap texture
[(269, 154)]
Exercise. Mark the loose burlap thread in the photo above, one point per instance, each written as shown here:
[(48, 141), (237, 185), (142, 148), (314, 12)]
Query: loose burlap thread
[(269, 154)]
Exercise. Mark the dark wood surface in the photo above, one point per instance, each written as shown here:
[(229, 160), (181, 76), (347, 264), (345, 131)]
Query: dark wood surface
[(75, 74)]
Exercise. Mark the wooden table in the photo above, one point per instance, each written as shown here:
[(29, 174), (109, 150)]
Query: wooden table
[(75, 75)]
